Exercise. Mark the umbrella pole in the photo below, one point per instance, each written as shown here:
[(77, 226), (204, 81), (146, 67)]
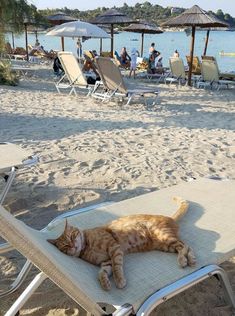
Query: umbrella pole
[(142, 44), (26, 42), (206, 42), (62, 43), (191, 56), (101, 46), (111, 33), (13, 40)]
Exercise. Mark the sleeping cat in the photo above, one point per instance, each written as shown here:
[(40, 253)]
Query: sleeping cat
[(106, 245)]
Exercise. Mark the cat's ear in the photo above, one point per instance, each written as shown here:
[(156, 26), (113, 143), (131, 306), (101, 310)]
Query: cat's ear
[(52, 241)]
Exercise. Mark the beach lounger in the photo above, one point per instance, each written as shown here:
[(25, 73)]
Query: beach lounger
[(178, 74), (222, 75), (23, 70), (12, 158), (152, 277), (211, 76), (177, 70), (73, 76), (116, 86)]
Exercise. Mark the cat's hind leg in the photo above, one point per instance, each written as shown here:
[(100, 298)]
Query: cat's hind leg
[(104, 274), (186, 255)]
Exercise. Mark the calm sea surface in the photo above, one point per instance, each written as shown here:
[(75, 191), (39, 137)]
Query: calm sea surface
[(166, 43)]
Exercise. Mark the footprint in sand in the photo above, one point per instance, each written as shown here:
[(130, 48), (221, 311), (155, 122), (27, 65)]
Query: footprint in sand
[(99, 163), (84, 164)]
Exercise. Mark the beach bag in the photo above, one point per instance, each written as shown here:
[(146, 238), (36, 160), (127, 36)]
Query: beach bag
[(91, 80)]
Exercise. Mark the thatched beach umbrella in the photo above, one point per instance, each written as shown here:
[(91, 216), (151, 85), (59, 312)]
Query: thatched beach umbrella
[(143, 27), (60, 18), (194, 17), (112, 17)]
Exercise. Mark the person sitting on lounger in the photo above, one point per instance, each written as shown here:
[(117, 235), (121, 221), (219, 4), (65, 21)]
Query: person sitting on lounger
[(176, 53), (89, 63), (159, 65)]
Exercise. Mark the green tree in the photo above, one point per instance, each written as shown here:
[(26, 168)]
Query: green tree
[(220, 14), (12, 15)]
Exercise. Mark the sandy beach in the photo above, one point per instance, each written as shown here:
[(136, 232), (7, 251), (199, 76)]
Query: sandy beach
[(92, 152)]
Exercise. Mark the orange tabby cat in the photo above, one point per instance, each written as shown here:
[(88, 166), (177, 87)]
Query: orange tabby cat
[(106, 245)]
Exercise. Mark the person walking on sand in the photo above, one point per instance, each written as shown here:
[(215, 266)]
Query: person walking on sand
[(79, 48), (134, 55)]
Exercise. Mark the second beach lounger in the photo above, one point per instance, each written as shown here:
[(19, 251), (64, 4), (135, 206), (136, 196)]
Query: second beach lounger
[(152, 277), (115, 85), (211, 76), (73, 74), (12, 158)]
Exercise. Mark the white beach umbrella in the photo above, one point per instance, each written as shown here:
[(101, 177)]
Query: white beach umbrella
[(78, 29)]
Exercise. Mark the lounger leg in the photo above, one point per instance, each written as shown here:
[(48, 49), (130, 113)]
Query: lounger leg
[(73, 90), (229, 295), (19, 279), (124, 310), (181, 285), (129, 99), (37, 281), (8, 184)]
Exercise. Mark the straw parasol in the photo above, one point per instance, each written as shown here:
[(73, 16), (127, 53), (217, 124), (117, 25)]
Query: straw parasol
[(112, 17), (194, 17), (60, 18), (143, 27)]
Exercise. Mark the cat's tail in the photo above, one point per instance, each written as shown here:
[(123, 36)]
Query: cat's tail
[(182, 210)]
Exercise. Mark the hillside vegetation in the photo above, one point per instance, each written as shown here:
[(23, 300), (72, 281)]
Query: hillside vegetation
[(145, 11)]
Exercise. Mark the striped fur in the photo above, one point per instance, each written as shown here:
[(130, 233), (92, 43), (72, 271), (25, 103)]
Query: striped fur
[(106, 246)]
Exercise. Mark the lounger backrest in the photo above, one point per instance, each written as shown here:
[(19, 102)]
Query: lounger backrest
[(88, 54), (72, 68), (177, 67), (110, 74), (204, 57), (210, 70)]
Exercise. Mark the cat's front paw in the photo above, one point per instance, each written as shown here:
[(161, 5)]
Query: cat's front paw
[(106, 286), (191, 258), (120, 284), (104, 281)]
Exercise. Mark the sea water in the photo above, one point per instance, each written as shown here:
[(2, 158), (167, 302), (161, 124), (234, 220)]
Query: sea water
[(166, 43)]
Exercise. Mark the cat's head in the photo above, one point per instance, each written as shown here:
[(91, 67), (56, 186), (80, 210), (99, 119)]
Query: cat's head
[(70, 242)]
